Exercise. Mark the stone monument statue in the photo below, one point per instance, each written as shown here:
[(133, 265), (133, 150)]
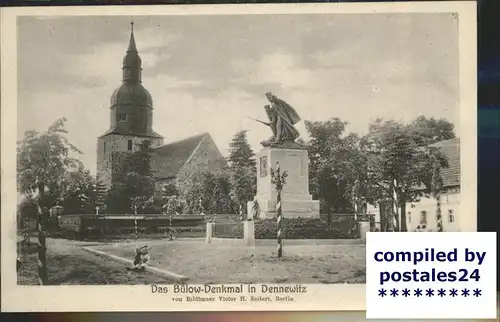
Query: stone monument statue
[(282, 120), (255, 211), (281, 147)]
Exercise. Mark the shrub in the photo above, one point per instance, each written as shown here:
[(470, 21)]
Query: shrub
[(295, 228), (301, 228)]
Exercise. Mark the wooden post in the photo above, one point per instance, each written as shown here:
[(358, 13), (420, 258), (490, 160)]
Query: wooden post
[(135, 222), (42, 246), (170, 237), (278, 218), (396, 219), (437, 186), (279, 180), (200, 204), (26, 230)]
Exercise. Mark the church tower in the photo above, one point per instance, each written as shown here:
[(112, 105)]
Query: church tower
[(131, 118)]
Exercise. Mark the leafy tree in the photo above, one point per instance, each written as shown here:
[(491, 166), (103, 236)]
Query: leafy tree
[(241, 154), (173, 205), (211, 187), (140, 161), (28, 208), (170, 189), (118, 200), (426, 131), (243, 169), (79, 193), (43, 159), (137, 191), (352, 161), (27, 212), (397, 165), (327, 155)]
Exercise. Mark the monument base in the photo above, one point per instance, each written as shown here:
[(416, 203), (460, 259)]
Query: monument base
[(296, 200)]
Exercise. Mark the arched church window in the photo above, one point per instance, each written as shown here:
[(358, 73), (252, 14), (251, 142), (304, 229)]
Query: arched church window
[(130, 145)]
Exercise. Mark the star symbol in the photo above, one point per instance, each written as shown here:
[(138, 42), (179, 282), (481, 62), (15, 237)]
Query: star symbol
[(394, 292), (453, 292), (465, 292), (477, 292), (406, 292), (382, 292), (429, 292), (418, 292), (441, 292)]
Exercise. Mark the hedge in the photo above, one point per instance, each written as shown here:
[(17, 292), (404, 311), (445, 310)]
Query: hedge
[(299, 228)]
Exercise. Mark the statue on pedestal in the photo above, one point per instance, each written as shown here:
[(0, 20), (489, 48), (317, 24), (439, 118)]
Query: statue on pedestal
[(282, 118), (254, 214), (284, 147)]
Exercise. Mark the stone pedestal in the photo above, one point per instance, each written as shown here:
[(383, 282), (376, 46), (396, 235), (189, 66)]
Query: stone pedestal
[(249, 232), (209, 233), (364, 227), (296, 199)]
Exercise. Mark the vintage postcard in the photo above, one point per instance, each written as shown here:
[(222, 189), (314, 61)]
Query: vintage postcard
[(229, 157)]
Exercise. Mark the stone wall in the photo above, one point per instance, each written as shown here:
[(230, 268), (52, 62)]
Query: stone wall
[(108, 158)]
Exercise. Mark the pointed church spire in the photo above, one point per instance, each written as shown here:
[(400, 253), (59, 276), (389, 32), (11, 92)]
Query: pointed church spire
[(132, 61), (131, 45)]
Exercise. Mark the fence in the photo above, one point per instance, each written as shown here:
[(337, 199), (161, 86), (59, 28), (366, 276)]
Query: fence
[(231, 231), (116, 226), (227, 230), (348, 223)]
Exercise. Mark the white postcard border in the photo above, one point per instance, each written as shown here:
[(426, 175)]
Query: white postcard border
[(139, 298)]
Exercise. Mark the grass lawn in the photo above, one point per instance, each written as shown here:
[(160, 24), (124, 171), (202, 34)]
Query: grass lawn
[(69, 264), (304, 262)]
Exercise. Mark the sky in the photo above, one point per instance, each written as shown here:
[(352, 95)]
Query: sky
[(211, 73)]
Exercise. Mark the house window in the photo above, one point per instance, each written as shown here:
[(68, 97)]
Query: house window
[(451, 216), (129, 145), (409, 216), (104, 147), (121, 117), (423, 218)]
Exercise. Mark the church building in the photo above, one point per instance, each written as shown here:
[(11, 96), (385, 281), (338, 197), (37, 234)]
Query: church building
[(131, 123)]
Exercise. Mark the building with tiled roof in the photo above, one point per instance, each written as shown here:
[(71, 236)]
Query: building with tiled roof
[(131, 120), (451, 150), (423, 212), (199, 150)]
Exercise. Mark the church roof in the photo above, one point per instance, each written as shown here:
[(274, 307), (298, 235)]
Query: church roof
[(451, 150), (131, 93), (175, 155)]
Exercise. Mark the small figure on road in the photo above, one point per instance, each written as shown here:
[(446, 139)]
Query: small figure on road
[(141, 258)]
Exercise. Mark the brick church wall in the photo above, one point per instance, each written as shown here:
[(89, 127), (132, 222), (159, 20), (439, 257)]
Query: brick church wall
[(111, 149)]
